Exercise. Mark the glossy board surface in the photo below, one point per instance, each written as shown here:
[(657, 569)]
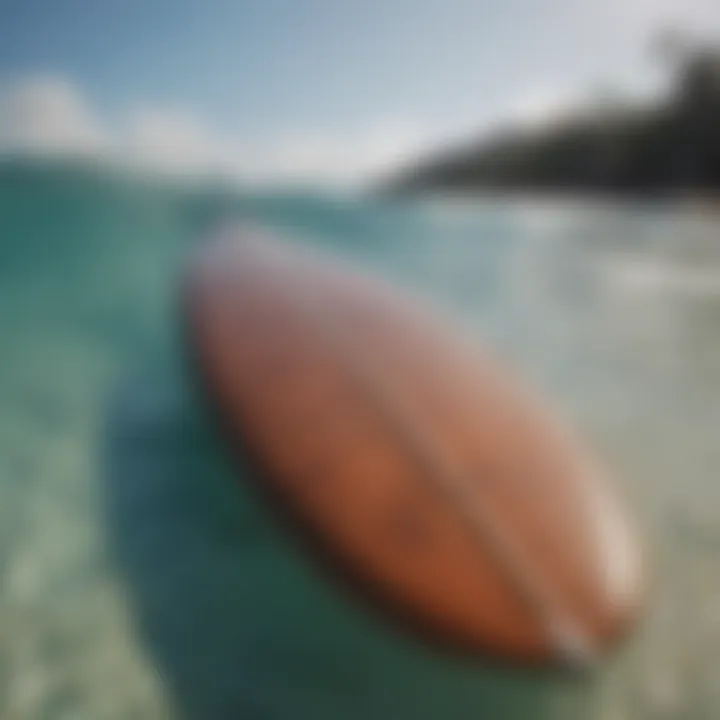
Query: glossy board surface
[(430, 476)]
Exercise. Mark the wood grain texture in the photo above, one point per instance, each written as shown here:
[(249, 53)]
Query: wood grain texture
[(432, 478)]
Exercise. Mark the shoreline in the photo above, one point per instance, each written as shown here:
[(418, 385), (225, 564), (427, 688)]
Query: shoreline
[(706, 201)]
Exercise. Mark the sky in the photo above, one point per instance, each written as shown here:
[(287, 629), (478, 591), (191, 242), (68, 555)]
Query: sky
[(327, 90)]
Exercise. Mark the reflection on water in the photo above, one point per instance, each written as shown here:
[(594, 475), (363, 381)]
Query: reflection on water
[(139, 580)]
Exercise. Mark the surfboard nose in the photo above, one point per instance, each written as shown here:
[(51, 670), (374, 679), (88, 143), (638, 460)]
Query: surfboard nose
[(621, 563), (600, 584)]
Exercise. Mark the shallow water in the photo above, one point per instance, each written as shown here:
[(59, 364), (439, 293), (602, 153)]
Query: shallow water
[(139, 580)]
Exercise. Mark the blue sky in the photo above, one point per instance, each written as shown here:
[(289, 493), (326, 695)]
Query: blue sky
[(315, 85)]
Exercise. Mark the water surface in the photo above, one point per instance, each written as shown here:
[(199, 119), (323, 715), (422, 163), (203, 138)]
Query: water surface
[(138, 579)]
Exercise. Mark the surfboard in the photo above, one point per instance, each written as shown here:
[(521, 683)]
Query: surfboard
[(435, 481)]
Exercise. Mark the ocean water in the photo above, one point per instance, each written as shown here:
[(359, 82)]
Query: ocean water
[(139, 579)]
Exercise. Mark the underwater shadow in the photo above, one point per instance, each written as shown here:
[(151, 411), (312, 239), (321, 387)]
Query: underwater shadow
[(235, 621)]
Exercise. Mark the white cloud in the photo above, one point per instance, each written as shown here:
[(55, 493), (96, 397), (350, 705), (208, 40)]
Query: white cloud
[(542, 105), (51, 116), (48, 116), (352, 155), (173, 142)]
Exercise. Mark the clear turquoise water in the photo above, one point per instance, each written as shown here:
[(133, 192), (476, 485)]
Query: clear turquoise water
[(138, 579)]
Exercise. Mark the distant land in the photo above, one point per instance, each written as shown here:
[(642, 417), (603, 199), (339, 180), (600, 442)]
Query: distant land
[(671, 146)]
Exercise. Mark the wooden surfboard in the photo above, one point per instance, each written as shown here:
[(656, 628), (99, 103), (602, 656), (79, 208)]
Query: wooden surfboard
[(433, 480)]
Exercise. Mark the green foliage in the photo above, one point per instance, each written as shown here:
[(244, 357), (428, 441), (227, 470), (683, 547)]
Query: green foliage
[(669, 146)]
